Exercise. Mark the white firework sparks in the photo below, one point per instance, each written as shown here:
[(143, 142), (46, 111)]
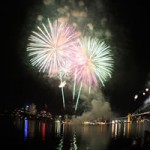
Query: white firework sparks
[(53, 48)]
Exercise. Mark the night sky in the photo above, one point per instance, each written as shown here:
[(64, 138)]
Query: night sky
[(129, 24)]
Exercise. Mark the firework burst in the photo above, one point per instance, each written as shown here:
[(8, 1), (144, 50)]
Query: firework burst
[(94, 64), (53, 48)]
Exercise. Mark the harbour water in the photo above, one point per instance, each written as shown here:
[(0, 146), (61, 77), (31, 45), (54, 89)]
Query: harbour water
[(45, 135)]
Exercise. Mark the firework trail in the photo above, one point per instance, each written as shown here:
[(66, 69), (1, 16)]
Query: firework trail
[(53, 49), (94, 64)]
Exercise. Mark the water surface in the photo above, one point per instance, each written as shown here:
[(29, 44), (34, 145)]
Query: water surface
[(23, 133)]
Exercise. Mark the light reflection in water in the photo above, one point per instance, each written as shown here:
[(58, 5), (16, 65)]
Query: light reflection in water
[(60, 145), (75, 137), (57, 127), (73, 144), (121, 129), (124, 130), (128, 129), (43, 131), (29, 129), (72, 141), (113, 129), (25, 129), (116, 129)]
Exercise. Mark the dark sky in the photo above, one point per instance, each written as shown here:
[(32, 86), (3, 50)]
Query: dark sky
[(130, 29)]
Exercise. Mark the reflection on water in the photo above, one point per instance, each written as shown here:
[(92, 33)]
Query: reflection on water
[(79, 137), (72, 141), (73, 145), (43, 130), (29, 129), (128, 130), (26, 129), (60, 145), (57, 127), (119, 130)]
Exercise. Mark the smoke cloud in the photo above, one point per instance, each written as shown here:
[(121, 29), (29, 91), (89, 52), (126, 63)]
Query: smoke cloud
[(99, 107)]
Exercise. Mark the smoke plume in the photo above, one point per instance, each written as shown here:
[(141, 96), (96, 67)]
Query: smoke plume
[(100, 108)]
